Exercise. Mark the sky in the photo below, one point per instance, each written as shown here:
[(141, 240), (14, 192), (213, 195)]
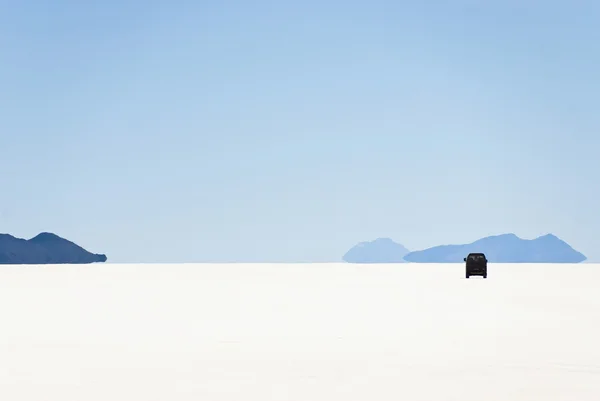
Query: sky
[(289, 131)]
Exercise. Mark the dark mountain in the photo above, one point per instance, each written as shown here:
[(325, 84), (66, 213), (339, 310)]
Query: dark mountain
[(505, 248), (381, 250), (45, 248)]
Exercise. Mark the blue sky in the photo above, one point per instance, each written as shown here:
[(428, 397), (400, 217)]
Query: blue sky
[(191, 131)]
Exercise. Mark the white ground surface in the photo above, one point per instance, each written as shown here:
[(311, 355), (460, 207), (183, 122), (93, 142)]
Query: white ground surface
[(299, 332)]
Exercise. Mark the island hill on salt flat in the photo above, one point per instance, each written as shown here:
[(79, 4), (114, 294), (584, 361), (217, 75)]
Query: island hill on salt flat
[(504, 248), (45, 248)]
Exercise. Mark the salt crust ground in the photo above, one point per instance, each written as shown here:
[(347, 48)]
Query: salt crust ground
[(319, 332)]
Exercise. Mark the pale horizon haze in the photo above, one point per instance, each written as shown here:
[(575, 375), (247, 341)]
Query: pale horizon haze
[(289, 131)]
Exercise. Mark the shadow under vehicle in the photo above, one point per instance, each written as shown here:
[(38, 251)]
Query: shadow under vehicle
[(476, 265)]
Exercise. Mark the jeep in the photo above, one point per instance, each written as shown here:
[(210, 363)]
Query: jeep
[(476, 265)]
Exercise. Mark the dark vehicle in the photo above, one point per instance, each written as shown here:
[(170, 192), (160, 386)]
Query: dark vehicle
[(476, 265)]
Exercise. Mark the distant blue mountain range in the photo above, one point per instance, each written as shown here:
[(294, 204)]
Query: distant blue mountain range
[(504, 248), (45, 248), (48, 248)]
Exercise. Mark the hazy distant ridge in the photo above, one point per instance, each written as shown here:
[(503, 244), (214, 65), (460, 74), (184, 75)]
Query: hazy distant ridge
[(504, 248), (381, 250)]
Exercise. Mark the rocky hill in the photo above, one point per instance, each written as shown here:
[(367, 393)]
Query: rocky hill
[(45, 248)]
